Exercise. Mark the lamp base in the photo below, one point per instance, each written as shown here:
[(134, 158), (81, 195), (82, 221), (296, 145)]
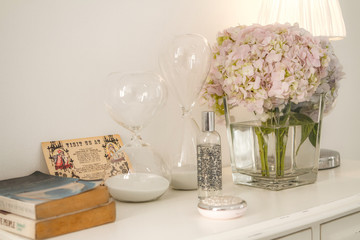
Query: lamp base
[(328, 159)]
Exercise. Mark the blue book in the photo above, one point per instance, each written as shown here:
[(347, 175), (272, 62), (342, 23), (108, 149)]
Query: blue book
[(41, 195)]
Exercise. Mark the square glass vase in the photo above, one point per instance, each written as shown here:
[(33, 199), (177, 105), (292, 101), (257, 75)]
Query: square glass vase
[(279, 153)]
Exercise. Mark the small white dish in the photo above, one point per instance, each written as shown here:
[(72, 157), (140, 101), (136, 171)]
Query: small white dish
[(222, 207), (137, 187)]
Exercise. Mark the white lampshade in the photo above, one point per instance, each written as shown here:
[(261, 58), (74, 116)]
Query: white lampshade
[(320, 17)]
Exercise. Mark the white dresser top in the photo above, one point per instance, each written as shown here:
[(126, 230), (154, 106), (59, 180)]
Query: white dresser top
[(175, 215)]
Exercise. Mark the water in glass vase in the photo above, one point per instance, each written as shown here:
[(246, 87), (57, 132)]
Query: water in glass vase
[(274, 157)]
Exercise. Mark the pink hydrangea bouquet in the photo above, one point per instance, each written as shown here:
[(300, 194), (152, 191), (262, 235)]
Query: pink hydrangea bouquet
[(265, 67), (268, 70)]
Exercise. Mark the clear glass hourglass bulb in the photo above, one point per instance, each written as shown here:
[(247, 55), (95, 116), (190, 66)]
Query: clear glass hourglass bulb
[(185, 63), (132, 100)]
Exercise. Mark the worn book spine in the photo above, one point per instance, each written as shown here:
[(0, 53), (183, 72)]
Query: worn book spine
[(25, 209), (55, 226), (87, 199), (17, 224)]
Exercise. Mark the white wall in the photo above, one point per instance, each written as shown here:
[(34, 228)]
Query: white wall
[(55, 55), (341, 129)]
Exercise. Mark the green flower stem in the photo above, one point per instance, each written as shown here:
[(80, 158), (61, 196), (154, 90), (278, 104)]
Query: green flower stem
[(263, 150), (281, 135)]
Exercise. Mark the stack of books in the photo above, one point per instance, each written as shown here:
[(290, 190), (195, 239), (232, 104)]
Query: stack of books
[(40, 206)]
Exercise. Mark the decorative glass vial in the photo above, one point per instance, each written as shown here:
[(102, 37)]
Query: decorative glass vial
[(279, 153), (209, 167)]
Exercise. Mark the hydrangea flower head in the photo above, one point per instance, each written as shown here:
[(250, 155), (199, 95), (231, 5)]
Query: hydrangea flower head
[(330, 84), (265, 67)]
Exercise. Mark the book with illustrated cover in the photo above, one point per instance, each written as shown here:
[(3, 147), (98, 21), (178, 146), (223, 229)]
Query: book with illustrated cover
[(40, 195), (54, 226)]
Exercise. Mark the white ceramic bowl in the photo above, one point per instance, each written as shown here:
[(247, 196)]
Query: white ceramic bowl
[(137, 187), (222, 207)]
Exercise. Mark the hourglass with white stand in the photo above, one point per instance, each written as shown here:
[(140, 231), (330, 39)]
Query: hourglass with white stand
[(185, 63), (132, 100)]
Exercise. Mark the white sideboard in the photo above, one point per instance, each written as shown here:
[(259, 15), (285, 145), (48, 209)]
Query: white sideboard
[(326, 210)]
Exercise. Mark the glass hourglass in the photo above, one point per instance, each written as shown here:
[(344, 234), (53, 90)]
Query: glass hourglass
[(185, 63), (132, 100)]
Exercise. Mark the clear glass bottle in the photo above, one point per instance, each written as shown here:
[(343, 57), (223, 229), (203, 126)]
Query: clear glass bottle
[(209, 165)]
